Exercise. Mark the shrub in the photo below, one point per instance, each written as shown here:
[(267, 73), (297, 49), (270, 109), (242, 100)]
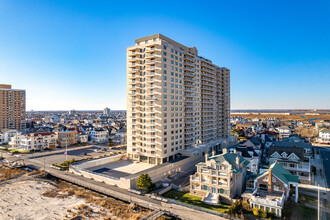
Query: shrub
[(262, 213), (144, 183), (255, 211)]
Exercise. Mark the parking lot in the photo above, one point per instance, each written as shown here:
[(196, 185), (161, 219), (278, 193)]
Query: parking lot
[(57, 155)]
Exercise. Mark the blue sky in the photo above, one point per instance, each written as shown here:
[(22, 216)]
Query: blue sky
[(72, 54)]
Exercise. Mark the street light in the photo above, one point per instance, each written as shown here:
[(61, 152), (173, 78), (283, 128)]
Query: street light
[(66, 150)]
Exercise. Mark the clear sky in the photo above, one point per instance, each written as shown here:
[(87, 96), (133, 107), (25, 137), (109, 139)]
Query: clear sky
[(72, 54)]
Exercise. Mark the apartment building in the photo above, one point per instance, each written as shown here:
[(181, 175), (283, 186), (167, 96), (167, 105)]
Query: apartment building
[(175, 99), (12, 108), (324, 136), (67, 138)]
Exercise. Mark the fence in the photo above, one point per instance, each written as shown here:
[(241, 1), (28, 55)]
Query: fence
[(209, 211)]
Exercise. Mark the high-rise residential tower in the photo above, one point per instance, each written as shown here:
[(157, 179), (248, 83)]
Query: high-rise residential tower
[(12, 108), (176, 99)]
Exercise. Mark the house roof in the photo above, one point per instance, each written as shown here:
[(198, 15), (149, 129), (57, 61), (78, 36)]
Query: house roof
[(40, 133), (231, 159), (325, 130), (245, 152), (282, 174), (254, 141), (291, 144), (299, 152)]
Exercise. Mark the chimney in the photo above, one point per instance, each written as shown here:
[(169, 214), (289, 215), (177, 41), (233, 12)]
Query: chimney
[(235, 151), (294, 146), (224, 150), (206, 157), (213, 153), (270, 180), (237, 161)]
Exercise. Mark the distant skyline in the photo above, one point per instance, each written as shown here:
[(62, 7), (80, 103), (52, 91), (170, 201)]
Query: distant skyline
[(72, 54)]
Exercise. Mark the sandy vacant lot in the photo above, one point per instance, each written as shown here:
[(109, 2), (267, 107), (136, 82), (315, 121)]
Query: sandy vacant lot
[(23, 200)]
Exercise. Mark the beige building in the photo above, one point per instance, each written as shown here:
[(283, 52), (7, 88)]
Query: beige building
[(66, 138), (12, 108), (220, 178), (176, 99)]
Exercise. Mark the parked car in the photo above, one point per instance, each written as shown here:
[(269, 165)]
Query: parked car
[(104, 149), (83, 153)]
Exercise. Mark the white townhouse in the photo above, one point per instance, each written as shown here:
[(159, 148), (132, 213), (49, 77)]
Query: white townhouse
[(324, 136), (284, 131), (7, 134), (82, 138), (98, 135), (33, 141)]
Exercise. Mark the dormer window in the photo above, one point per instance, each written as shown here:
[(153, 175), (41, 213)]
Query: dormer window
[(284, 155)]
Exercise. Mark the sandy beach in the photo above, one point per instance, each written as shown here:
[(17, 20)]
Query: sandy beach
[(24, 200)]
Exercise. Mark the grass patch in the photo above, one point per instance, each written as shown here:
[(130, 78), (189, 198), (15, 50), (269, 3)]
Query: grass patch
[(308, 199), (16, 151), (195, 200), (302, 212)]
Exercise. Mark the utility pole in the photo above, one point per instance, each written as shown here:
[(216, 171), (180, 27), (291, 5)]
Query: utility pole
[(44, 161), (318, 201)]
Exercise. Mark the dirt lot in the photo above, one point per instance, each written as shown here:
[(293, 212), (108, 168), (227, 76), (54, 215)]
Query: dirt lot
[(29, 195)]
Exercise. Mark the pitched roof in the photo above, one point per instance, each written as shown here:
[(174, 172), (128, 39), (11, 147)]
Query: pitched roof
[(255, 141), (299, 152), (291, 144), (281, 173), (325, 130), (231, 159)]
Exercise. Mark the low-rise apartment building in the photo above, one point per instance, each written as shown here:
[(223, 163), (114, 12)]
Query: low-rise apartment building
[(295, 157), (33, 141), (98, 135), (67, 138), (220, 177), (82, 138), (269, 190)]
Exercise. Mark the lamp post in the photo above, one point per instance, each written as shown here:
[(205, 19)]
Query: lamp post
[(66, 150)]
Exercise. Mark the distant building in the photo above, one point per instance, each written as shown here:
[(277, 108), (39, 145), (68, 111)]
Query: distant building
[(12, 108), (33, 141), (219, 178), (284, 131), (106, 111), (98, 135), (82, 138), (72, 112), (66, 138), (269, 190), (324, 136)]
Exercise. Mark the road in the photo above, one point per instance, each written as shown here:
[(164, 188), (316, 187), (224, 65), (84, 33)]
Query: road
[(320, 178), (176, 210)]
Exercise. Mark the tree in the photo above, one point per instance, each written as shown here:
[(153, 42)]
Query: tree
[(144, 183)]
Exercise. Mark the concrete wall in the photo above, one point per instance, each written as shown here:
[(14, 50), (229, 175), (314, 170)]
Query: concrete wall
[(98, 162), (130, 181)]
